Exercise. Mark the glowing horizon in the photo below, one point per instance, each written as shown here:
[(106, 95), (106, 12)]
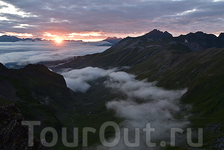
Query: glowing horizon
[(81, 36), (97, 20)]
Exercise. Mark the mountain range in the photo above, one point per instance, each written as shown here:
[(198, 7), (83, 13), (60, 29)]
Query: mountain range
[(134, 50), (193, 61), (7, 38)]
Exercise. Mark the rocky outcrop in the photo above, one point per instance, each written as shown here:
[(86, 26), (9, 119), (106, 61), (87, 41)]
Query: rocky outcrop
[(14, 136)]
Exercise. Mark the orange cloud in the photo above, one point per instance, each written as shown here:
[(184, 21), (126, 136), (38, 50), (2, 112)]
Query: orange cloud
[(47, 34)]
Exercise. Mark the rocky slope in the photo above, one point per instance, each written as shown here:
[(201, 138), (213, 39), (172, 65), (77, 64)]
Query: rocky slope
[(14, 136)]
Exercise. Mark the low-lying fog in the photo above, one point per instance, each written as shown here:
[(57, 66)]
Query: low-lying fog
[(157, 106), (23, 53)]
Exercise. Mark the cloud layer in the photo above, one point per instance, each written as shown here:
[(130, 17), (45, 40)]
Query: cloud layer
[(146, 103), (112, 17), (77, 79), (22, 53), (142, 103)]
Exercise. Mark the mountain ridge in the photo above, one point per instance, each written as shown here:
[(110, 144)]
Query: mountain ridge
[(157, 34), (194, 61), (8, 38), (132, 50)]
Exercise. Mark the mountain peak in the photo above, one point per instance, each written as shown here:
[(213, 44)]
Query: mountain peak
[(7, 38), (113, 40), (221, 36), (157, 34)]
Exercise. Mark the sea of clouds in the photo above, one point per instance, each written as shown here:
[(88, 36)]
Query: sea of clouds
[(143, 102), (23, 53), (77, 79)]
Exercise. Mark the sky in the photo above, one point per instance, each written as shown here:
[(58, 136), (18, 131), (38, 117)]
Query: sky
[(97, 19)]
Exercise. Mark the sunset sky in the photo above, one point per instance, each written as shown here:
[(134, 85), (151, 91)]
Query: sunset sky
[(98, 19)]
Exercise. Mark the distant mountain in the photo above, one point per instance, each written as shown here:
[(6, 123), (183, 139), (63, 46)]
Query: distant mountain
[(157, 34), (7, 38), (113, 40), (30, 39)]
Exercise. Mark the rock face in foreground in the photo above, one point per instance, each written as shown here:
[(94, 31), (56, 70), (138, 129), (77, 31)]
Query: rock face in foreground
[(14, 136)]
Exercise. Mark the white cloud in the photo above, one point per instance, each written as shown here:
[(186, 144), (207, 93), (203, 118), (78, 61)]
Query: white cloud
[(186, 12), (142, 103), (23, 26), (4, 19), (127, 84), (145, 103), (77, 79), (22, 53), (10, 9), (218, 0)]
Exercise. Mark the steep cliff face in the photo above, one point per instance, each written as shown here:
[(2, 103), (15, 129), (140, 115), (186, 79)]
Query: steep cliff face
[(14, 136), (40, 95)]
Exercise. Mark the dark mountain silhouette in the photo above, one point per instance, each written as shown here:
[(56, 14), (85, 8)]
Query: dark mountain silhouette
[(113, 40), (200, 40), (7, 38), (221, 36), (157, 34)]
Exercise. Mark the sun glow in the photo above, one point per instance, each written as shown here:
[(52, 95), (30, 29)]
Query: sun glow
[(58, 40)]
